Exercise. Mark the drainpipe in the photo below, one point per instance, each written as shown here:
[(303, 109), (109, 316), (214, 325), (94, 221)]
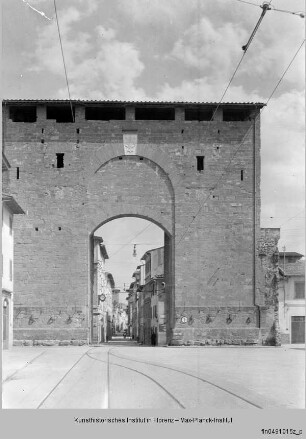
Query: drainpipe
[(254, 218), (284, 249)]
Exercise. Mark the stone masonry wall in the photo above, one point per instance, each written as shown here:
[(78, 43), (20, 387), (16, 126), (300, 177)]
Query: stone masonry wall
[(209, 218), (267, 282)]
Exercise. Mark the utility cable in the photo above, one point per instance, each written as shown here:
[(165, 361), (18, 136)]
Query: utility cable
[(265, 7), (239, 146), (272, 8), (117, 251), (281, 78), (228, 85), (60, 39)]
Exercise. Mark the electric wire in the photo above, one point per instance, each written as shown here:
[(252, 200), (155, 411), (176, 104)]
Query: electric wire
[(299, 13), (292, 217), (281, 78), (228, 85), (272, 8), (240, 145), (62, 50), (117, 251), (248, 3), (245, 49)]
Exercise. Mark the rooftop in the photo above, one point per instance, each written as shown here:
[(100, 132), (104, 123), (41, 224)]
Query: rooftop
[(294, 269), (115, 102), (12, 204), (297, 255)]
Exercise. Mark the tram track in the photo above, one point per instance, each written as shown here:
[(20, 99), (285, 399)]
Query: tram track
[(138, 372), (62, 379), (112, 354), (10, 377), (190, 375)]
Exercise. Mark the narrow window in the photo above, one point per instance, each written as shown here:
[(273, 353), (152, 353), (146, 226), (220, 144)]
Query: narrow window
[(17, 173), (241, 175), (11, 225), (11, 270), (200, 163), (299, 290), (60, 160)]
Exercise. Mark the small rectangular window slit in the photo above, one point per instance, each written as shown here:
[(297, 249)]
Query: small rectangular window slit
[(17, 173), (241, 175), (200, 163), (60, 160)]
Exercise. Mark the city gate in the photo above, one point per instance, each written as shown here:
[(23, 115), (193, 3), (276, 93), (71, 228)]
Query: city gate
[(192, 169)]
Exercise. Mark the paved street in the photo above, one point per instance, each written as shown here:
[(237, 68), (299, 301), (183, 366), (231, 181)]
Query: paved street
[(129, 376)]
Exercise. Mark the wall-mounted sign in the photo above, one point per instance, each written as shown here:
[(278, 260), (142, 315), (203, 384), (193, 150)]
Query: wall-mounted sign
[(102, 297), (184, 319), (130, 143)]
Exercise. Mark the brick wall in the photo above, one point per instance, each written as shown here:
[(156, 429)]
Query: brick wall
[(209, 218)]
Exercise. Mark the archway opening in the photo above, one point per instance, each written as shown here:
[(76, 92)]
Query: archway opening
[(131, 281)]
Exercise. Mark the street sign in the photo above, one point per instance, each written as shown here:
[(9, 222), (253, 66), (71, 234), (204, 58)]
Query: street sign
[(184, 319)]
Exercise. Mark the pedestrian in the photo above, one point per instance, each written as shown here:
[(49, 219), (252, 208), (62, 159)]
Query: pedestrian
[(153, 338)]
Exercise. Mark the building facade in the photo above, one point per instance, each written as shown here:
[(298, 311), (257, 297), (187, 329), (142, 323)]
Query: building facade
[(292, 301), (153, 293), (102, 295), (191, 168), (9, 208)]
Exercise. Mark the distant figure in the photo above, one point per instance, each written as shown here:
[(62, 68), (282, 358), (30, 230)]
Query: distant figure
[(124, 334), (153, 339)]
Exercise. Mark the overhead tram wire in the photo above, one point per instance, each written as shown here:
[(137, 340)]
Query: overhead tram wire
[(272, 8), (281, 78), (61, 44), (239, 146), (265, 8), (117, 251)]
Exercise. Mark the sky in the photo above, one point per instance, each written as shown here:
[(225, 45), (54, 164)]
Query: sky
[(167, 50)]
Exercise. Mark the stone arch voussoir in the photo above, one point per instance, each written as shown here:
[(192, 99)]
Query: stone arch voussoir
[(113, 212), (151, 152)]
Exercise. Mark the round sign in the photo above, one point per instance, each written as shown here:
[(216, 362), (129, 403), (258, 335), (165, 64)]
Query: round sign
[(184, 319), (102, 298)]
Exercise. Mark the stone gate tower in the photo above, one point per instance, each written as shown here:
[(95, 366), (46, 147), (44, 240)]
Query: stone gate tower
[(190, 169)]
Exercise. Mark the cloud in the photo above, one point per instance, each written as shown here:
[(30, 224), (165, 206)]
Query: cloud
[(209, 48), (99, 66), (149, 11), (206, 90), (110, 73)]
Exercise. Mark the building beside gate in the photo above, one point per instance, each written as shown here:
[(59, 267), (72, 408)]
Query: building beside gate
[(153, 293), (193, 169), (102, 298), (10, 207), (292, 301)]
